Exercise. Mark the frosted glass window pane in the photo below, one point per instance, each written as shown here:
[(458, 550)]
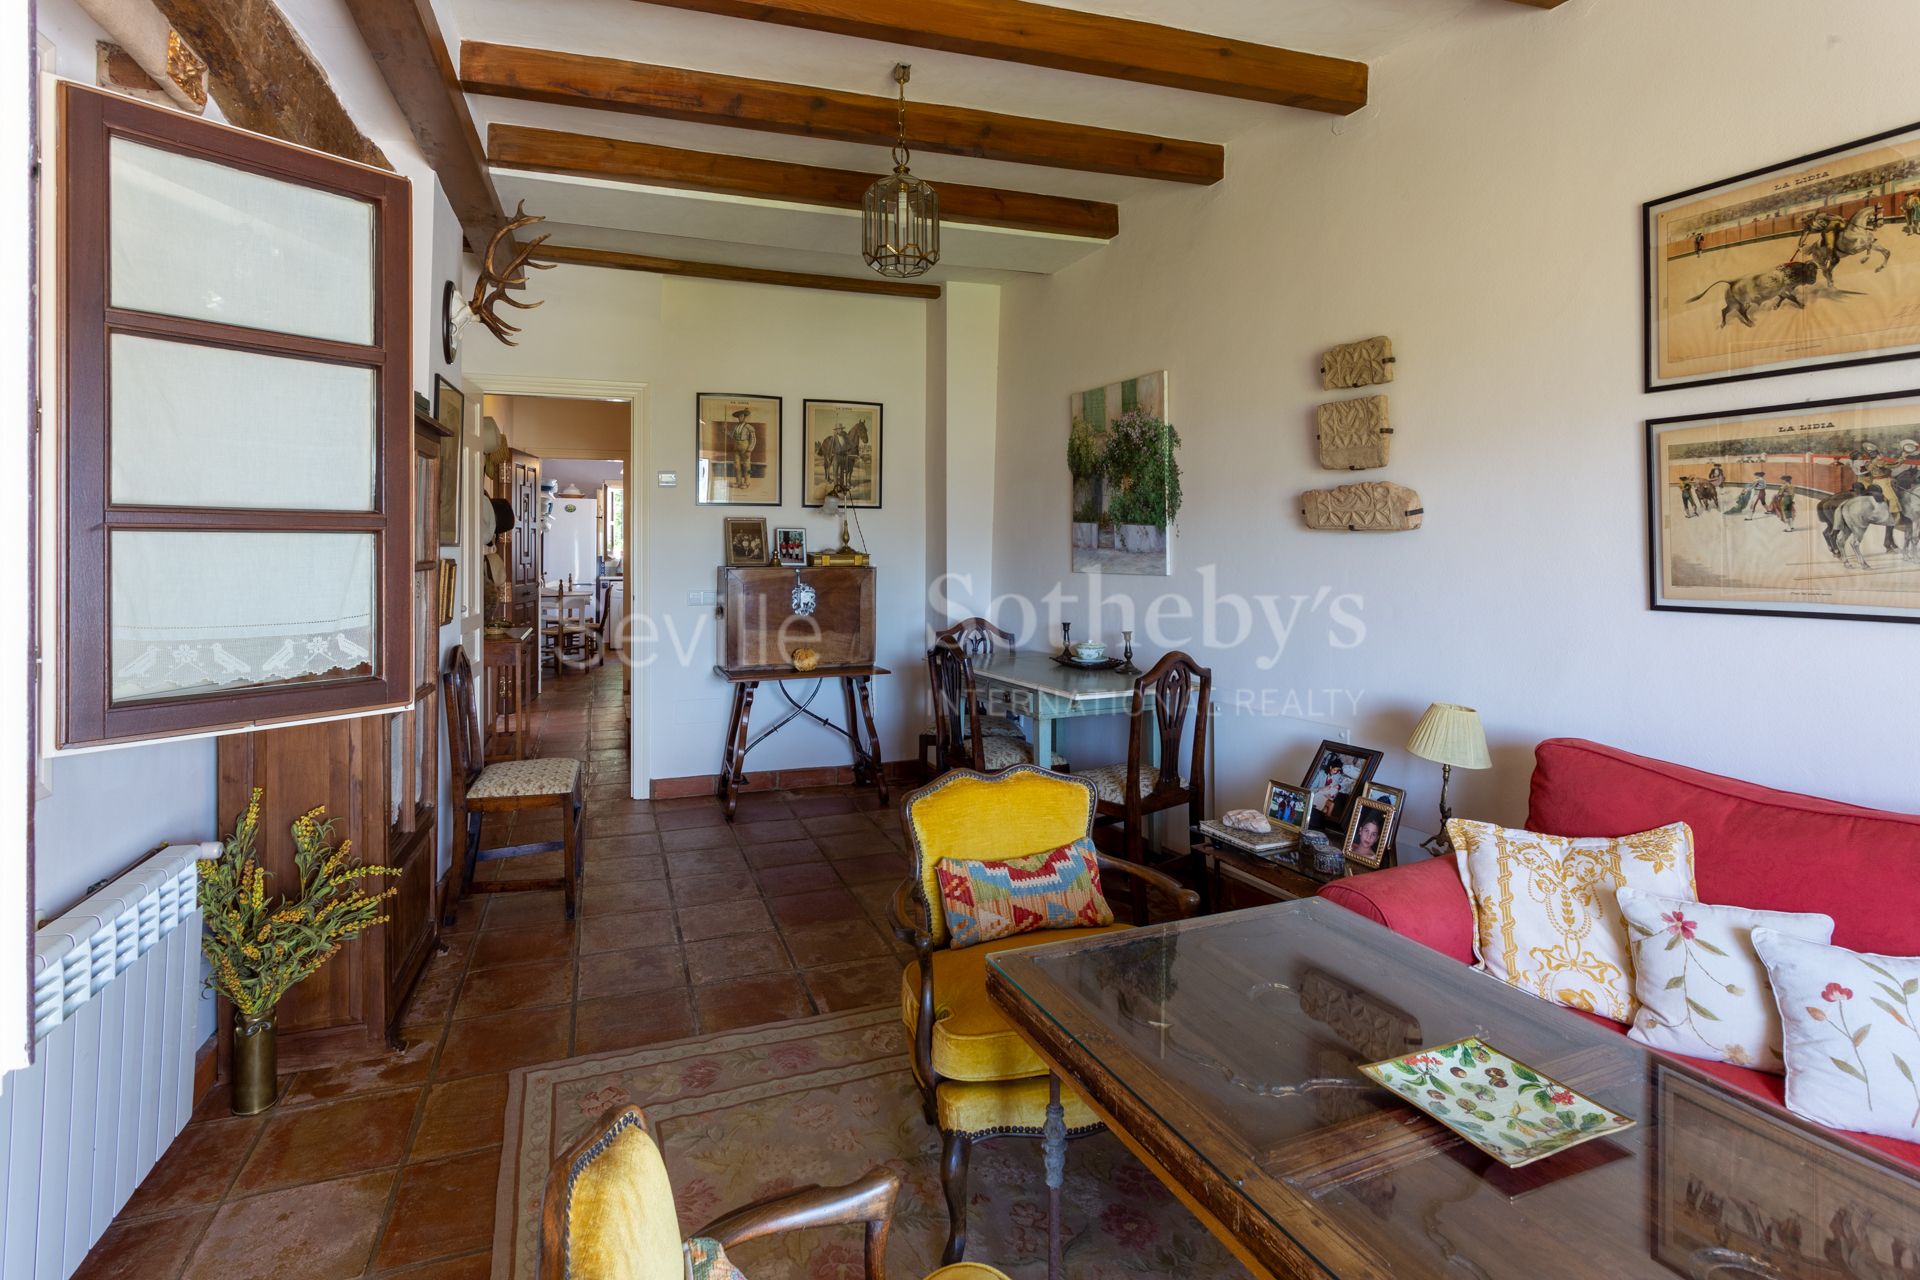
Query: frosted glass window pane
[(194, 238), (207, 427), (205, 612)]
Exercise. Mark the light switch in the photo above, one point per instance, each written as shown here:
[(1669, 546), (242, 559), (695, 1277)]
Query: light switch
[(668, 479)]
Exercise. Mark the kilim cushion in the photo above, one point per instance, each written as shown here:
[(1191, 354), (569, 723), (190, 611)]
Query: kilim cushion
[(1058, 889)]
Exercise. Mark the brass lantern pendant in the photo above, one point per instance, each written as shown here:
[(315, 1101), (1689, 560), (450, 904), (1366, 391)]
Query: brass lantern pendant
[(900, 216)]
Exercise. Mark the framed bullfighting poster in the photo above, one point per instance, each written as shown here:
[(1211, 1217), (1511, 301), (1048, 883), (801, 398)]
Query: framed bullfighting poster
[(841, 452), (737, 450), (1804, 265), (1801, 510)]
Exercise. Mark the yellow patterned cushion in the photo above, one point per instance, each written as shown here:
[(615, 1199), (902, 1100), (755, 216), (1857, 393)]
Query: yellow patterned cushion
[(967, 1271), (621, 1222), (511, 779), (971, 1040), (1009, 815), (1546, 910), (1005, 1106), (1109, 781)]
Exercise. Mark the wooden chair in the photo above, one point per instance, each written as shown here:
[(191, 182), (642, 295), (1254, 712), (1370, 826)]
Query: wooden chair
[(1175, 684), (509, 786), (976, 638), (564, 632), (978, 1078), (609, 1214), (965, 737)]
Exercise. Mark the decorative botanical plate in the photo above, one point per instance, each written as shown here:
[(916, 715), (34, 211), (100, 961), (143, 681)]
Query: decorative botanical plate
[(1499, 1104)]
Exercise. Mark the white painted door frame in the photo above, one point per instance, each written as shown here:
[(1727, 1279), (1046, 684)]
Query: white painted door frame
[(639, 778)]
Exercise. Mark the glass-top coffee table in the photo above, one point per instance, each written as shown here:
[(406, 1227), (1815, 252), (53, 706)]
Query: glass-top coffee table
[(1224, 1052)]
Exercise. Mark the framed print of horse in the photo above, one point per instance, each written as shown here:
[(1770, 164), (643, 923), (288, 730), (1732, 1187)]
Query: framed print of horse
[(1122, 463), (840, 441), (737, 450), (1800, 510), (1810, 264)]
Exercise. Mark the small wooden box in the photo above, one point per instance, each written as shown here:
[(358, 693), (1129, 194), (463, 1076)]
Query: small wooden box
[(759, 630)]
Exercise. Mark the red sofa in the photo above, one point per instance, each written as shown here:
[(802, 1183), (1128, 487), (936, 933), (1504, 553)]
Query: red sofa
[(1753, 847)]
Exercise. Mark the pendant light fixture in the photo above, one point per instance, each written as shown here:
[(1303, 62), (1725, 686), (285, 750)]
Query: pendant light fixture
[(900, 217)]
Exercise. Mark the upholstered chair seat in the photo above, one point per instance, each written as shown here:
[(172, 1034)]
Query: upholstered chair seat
[(549, 776), (1004, 752), (1110, 781)]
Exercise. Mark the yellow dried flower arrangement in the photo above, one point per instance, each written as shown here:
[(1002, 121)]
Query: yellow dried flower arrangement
[(258, 947)]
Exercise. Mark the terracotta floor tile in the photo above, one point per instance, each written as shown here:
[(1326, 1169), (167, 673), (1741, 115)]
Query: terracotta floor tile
[(716, 922), (718, 959), (395, 1071), (782, 853), (835, 824), (503, 1041), (835, 943), (859, 985), (705, 862), (629, 895), (712, 890), (475, 1266), (814, 805), (461, 1116), (330, 1140), (823, 906), (324, 1231), (518, 986), (602, 825), (609, 860), (442, 1209), (760, 808), (519, 910), (620, 846), (626, 930), (800, 877), (856, 844), (749, 1002), (677, 804), (874, 868), (720, 837), (622, 1022), (145, 1248), (494, 948), (708, 814), (765, 830), (197, 1168), (614, 973)]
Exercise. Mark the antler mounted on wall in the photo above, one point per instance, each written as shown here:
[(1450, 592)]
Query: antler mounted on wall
[(493, 287)]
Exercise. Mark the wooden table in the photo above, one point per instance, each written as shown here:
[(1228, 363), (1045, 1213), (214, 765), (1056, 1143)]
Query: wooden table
[(1035, 686), (1221, 863), (856, 688), (1224, 1052), (509, 661)]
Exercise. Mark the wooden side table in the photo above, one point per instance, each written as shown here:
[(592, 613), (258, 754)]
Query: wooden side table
[(509, 663), (856, 689)]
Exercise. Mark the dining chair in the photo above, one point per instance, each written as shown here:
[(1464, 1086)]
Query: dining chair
[(1173, 686), (564, 635), (608, 1213), (978, 1078), (507, 786), (965, 737)]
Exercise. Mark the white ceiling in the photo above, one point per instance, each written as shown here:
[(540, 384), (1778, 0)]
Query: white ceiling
[(762, 233)]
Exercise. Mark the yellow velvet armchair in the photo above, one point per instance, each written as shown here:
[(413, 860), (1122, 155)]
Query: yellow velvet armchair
[(609, 1214), (978, 1078)]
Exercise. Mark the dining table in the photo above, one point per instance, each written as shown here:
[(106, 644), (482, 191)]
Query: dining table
[(1031, 685)]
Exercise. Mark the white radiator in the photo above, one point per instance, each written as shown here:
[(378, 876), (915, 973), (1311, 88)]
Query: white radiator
[(116, 985)]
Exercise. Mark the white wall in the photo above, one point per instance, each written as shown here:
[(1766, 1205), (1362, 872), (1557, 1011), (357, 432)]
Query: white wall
[(1484, 213), (683, 337)]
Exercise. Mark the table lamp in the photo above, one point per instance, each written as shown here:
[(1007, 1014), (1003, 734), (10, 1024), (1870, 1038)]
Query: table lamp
[(1448, 734)]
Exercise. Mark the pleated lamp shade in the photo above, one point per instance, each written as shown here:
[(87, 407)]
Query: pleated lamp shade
[(1451, 734)]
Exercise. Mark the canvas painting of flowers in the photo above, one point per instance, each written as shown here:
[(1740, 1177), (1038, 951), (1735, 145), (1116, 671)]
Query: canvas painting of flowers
[(1499, 1104)]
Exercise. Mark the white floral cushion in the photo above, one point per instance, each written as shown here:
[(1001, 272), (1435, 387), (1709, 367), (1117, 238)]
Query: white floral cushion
[(990, 727), (1109, 781), (1546, 912), (1004, 753), (1852, 1023), (512, 779), (1701, 988)]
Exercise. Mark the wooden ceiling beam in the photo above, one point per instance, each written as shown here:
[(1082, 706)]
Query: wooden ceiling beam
[(265, 80), (551, 151), (1069, 40), (404, 40), (721, 271), (704, 97)]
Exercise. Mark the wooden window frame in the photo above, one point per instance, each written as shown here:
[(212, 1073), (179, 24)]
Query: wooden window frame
[(89, 120)]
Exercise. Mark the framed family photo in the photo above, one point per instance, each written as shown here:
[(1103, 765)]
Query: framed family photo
[(746, 541), (1369, 834), (1811, 263), (1286, 806), (1788, 510), (1337, 775), (737, 450), (841, 451), (790, 547)]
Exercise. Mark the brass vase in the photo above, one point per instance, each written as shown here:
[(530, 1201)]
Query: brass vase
[(256, 1064)]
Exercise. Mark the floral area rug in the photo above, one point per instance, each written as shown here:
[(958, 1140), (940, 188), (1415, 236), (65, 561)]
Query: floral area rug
[(748, 1114)]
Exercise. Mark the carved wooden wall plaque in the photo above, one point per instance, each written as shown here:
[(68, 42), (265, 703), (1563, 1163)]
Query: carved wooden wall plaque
[(1353, 434), (1372, 506), (1357, 364)]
